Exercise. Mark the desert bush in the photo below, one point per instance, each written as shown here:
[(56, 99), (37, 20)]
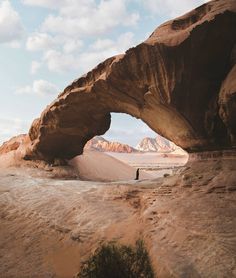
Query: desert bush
[(118, 261)]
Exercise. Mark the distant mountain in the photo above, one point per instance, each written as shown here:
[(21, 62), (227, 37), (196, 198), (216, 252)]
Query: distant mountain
[(158, 144), (98, 143)]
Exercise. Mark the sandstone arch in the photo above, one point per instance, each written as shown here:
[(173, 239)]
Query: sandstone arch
[(172, 81)]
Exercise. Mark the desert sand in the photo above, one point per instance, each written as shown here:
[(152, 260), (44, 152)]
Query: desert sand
[(98, 166), (152, 160), (187, 220)]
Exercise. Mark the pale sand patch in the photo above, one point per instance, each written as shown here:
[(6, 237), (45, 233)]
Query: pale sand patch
[(98, 166)]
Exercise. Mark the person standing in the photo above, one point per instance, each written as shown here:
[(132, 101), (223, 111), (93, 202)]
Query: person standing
[(137, 174)]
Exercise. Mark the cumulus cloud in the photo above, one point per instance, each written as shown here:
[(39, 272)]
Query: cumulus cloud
[(70, 46), (40, 88), (170, 8), (79, 18), (11, 27), (60, 36), (102, 49), (12, 127), (43, 42), (39, 42), (59, 61), (84, 18), (35, 66), (51, 4)]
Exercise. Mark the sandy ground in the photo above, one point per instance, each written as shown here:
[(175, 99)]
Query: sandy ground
[(48, 226), (152, 160), (98, 166), (155, 164)]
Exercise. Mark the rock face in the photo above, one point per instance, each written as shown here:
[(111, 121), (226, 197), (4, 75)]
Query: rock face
[(14, 143), (98, 143), (158, 144), (180, 81)]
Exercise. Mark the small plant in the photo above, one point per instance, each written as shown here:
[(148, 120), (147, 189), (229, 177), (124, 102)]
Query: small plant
[(118, 261)]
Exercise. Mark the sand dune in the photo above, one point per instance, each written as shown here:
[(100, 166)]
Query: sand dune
[(91, 166), (99, 166)]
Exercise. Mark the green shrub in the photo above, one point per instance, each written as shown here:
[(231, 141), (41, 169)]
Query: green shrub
[(118, 261)]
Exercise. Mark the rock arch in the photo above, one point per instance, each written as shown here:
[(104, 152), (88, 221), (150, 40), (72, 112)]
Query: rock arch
[(180, 82)]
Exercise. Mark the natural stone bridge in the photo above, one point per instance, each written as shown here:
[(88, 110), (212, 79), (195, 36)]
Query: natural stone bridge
[(181, 82)]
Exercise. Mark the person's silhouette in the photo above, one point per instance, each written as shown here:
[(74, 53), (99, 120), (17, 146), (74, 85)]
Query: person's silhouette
[(137, 174)]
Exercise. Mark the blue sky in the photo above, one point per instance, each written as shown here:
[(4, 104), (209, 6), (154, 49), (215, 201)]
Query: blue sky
[(46, 44)]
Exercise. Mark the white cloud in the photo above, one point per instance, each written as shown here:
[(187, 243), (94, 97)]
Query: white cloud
[(72, 45), (58, 61), (101, 44), (170, 8), (14, 44), (40, 41), (61, 33), (86, 18), (40, 88), (43, 42), (11, 28), (12, 127), (102, 49), (35, 66), (78, 13), (51, 4)]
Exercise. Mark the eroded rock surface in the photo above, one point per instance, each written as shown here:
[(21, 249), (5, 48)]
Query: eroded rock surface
[(180, 81), (14, 143), (187, 221)]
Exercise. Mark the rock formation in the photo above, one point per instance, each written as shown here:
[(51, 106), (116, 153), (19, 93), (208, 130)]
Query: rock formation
[(14, 143), (158, 144), (98, 143), (147, 144), (180, 82)]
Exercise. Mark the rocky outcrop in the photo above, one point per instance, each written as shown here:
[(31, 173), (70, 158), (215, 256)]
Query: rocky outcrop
[(158, 144), (100, 144), (180, 81), (14, 143)]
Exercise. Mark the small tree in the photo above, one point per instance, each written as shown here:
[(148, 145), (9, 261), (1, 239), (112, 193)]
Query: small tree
[(118, 261)]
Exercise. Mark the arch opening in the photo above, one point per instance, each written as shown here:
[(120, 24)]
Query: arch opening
[(127, 146)]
